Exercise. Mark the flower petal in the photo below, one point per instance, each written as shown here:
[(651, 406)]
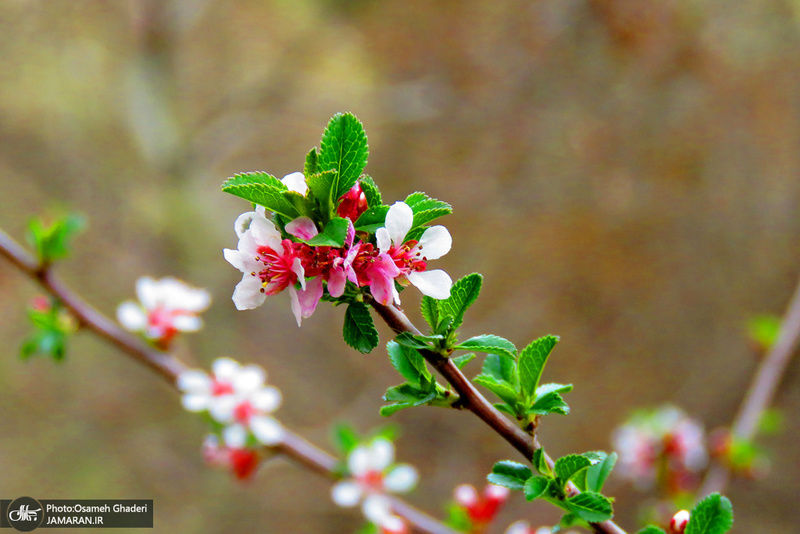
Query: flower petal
[(381, 454), (377, 508), (235, 436), (399, 219), (302, 227), (194, 381), (131, 316), (247, 294), (435, 284), (295, 182), (401, 479), (346, 493), (225, 368), (250, 378), (267, 430), (195, 402), (147, 289), (187, 323), (435, 242), (266, 399)]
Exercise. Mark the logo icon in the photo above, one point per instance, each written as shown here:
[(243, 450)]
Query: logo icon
[(25, 514)]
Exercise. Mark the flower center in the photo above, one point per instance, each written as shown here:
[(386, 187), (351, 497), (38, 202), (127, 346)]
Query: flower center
[(243, 412)]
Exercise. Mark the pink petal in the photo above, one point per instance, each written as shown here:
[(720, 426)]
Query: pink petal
[(302, 227), (305, 301)]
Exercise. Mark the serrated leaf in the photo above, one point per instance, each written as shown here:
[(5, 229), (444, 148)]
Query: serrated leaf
[(371, 191), (262, 189), (430, 311), (491, 344), (550, 403), (501, 369), (502, 389), (344, 149), (311, 166), (405, 396), (359, 330), (712, 515), (540, 462), (535, 487), (419, 202), (590, 506), (372, 219), (505, 408), (511, 475), (651, 530), (320, 185), (531, 363), (416, 341), (568, 466), (423, 217), (333, 235), (462, 295), (464, 359), (597, 473), (408, 362)]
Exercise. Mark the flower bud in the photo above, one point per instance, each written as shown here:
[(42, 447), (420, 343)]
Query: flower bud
[(679, 522)]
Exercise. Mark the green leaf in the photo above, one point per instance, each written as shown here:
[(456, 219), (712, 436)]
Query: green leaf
[(262, 189), (531, 363), (320, 185), (464, 359), (420, 202), (371, 191), (712, 515), (405, 396), (430, 311), (462, 295), (333, 235), (651, 530), (549, 403), (511, 475), (501, 368), (568, 466), (408, 362), (359, 330), (597, 474), (416, 341), (502, 389), (491, 344), (424, 217), (764, 330), (590, 506), (535, 487), (344, 438), (372, 219), (53, 242), (344, 149), (540, 462), (311, 166)]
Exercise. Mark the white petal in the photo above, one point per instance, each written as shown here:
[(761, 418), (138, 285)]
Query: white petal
[(235, 436), (358, 461), (250, 378), (266, 399), (295, 182), (346, 493), (131, 316), (377, 508), (520, 527), (246, 263), (265, 233), (466, 495), (195, 402), (384, 239), (399, 219), (147, 289), (243, 221), (187, 323), (435, 284), (401, 479), (381, 454), (267, 430), (225, 368), (435, 242), (194, 381), (247, 294), (221, 408), (195, 300)]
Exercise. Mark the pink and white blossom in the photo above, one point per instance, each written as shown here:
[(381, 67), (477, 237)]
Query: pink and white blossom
[(165, 308), (481, 508), (296, 182), (373, 475), (411, 257), (242, 462)]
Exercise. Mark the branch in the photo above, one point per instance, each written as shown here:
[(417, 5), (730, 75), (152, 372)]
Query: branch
[(169, 367), (472, 400), (762, 390)]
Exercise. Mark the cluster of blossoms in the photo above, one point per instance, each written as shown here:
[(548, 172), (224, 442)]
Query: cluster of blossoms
[(662, 446), (373, 474), (165, 308), (272, 260), (239, 404), (482, 508)]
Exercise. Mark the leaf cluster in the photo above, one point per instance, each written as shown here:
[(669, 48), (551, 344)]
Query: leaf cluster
[(53, 241), (712, 515), (52, 327)]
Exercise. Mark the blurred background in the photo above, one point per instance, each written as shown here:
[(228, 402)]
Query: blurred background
[(623, 173)]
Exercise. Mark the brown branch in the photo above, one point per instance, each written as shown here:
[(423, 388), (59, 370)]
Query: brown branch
[(167, 366), (472, 400), (762, 390)]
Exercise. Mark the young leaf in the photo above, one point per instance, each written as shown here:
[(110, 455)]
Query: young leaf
[(651, 530), (501, 368), (371, 191), (535, 486), (464, 359), (430, 311), (344, 438), (419, 202), (333, 235), (590, 506), (531, 363), (712, 515), (549, 403), (597, 474), (344, 149), (320, 185), (500, 388), (415, 341), (462, 295), (53, 242), (311, 166), (511, 475), (423, 217), (568, 466), (408, 363), (372, 219), (359, 330), (491, 344), (262, 189), (405, 396), (540, 462)]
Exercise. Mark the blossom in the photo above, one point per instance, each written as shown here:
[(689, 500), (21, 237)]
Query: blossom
[(241, 461), (372, 475), (271, 264), (666, 434), (236, 397), (411, 257), (481, 508), (166, 307)]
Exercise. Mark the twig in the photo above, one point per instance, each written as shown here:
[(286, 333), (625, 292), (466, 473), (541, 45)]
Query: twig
[(169, 367), (762, 390), (472, 400)]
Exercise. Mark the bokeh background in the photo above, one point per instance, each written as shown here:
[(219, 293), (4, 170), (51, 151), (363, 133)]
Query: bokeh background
[(624, 174)]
